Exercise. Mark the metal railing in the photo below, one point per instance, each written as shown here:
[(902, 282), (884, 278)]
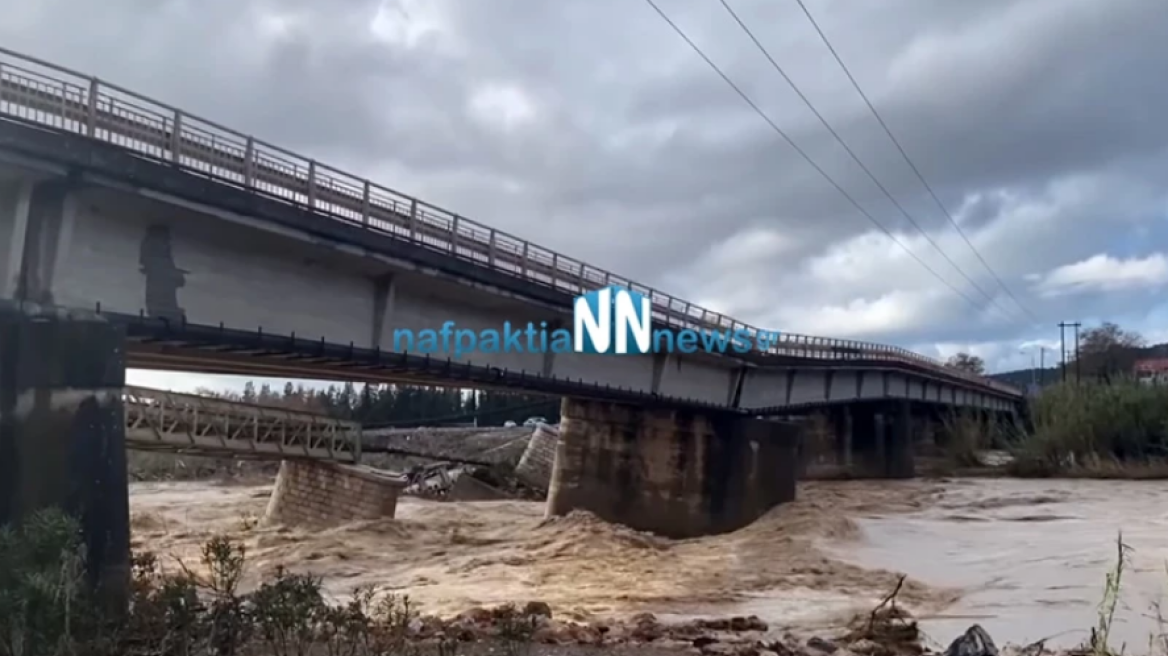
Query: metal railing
[(49, 95), (170, 421)]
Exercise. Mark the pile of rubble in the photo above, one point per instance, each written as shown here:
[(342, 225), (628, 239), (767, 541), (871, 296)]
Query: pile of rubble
[(880, 634), (474, 464)]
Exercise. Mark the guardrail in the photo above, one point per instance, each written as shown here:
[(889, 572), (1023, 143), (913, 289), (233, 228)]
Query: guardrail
[(49, 95), (171, 421)]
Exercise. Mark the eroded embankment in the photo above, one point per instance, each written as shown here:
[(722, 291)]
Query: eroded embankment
[(454, 556)]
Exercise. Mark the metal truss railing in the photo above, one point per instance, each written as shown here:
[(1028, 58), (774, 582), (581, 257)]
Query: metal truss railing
[(172, 421), (39, 92)]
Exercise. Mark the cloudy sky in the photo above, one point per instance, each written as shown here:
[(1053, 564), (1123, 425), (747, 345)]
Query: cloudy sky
[(591, 127)]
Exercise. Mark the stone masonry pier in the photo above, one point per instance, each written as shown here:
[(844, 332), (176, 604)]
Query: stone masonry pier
[(317, 493)]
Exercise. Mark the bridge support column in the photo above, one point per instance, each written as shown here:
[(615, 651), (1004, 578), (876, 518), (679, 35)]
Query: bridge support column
[(677, 473), (899, 461), (841, 421), (62, 431), (882, 437), (867, 441)]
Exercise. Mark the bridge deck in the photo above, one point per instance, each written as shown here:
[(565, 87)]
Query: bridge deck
[(47, 95)]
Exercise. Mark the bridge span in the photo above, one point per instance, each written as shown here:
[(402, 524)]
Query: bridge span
[(133, 233), (161, 420)]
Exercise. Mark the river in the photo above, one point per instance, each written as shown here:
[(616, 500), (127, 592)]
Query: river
[(1026, 559)]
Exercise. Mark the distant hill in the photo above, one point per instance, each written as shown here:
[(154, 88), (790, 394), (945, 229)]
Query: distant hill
[(1024, 377), (1051, 375)]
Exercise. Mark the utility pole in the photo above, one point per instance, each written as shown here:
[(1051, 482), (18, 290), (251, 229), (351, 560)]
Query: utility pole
[(1063, 325), (1063, 340), (1041, 366), (1078, 360)]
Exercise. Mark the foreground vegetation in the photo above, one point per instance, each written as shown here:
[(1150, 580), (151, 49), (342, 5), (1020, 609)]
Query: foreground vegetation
[(47, 609), (1104, 427), (1116, 429)]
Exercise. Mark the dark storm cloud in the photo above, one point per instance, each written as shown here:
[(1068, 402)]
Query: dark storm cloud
[(1039, 123)]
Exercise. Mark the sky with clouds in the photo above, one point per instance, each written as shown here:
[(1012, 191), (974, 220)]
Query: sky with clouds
[(591, 127)]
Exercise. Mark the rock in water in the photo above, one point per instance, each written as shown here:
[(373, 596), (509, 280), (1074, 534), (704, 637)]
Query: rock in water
[(974, 642)]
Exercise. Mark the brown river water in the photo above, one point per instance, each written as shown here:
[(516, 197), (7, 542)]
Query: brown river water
[(1026, 559)]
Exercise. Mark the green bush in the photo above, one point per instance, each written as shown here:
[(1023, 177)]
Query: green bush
[(43, 605), (1080, 425)]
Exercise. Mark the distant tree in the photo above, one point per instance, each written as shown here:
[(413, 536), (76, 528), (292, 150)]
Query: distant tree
[(249, 392), (967, 362), (405, 404), (1107, 350)]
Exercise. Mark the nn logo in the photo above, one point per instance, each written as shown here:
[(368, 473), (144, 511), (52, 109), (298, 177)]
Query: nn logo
[(612, 320)]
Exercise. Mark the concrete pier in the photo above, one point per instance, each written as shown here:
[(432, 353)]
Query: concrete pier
[(672, 472), (62, 432)]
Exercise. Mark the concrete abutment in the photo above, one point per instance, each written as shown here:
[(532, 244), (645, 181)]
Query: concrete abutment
[(677, 473), (62, 431)]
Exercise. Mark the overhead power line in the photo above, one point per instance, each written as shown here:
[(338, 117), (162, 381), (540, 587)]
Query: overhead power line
[(855, 158), (843, 192), (908, 160)]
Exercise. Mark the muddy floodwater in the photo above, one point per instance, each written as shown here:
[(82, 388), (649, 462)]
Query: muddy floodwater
[(1026, 559)]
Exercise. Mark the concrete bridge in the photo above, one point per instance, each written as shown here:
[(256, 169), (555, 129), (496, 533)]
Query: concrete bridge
[(135, 234)]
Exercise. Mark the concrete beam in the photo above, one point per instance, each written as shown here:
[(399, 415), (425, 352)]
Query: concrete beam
[(675, 473), (36, 228), (384, 300), (14, 198)]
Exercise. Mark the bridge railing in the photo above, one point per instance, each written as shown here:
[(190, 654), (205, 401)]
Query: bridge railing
[(46, 94), (172, 421)]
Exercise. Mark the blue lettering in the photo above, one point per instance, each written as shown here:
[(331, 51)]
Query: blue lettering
[(767, 339), (742, 340), (715, 341), (663, 341), (489, 341), (687, 341), (406, 335), (446, 331), (511, 337), (427, 341), (561, 341), (465, 340)]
